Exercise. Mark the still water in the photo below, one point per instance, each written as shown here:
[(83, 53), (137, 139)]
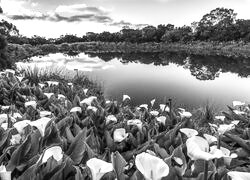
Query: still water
[(191, 81)]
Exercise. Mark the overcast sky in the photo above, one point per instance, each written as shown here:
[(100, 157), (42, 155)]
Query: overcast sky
[(52, 18)]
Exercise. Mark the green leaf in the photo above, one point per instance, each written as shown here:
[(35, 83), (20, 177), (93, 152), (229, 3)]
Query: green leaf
[(119, 164)]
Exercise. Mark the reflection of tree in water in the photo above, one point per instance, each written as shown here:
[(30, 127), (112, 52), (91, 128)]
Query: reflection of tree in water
[(202, 67)]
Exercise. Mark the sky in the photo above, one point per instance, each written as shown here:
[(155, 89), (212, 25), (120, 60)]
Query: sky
[(52, 18)]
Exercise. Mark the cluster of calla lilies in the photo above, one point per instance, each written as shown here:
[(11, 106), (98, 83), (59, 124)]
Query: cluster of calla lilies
[(61, 130)]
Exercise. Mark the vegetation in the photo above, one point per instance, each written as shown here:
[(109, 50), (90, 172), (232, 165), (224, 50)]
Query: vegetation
[(60, 128)]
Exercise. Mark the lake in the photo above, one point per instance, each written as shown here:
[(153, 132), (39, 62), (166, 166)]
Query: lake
[(191, 81)]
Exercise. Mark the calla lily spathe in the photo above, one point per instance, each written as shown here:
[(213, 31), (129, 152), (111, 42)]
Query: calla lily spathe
[(4, 126), (55, 151), (41, 85), (61, 96), (222, 118), (40, 124), (145, 106), (11, 71), (125, 97), (88, 100), (20, 78), (17, 115), (4, 174), (236, 175), (111, 118), (20, 125), (152, 102), (48, 95), (45, 113), (119, 135), (135, 122), (52, 83), (76, 109), (184, 114), (189, 132), (154, 113), (31, 103), (210, 139), (92, 108), (151, 167), (161, 119), (164, 107), (5, 107), (239, 112), (85, 91), (15, 139), (238, 103), (98, 168)]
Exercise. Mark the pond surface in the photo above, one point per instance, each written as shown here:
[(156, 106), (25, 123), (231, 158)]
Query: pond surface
[(191, 81)]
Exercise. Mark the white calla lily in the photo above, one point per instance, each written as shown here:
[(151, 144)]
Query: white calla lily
[(76, 109), (151, 167), (107, 101), (52, 83), (135, 122), (125, 97), (61, 96), (152, 102), (222, 118), (31, 103), (5, 107), (41, 124), (225, 127), (10, 71), (164, 107), (92, 108), (189, 132), (17, 115), (98, 168), (161, 119), (184, 114), (88, 100), (55, 151), (3, 118), (15, 139), (238, 112), (120, 134), (210, 139), (225, 153), (4, 174), (145, 106), (85, 91), (41, 85), (238, 103), (4, 126), (45, 113), (236, 175), (20, 125), (70, 84), (20, 78), (154, 113), (111, 118)]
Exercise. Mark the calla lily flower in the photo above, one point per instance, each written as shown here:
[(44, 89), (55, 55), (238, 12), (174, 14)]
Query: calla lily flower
[(17, 115), (4, 126), (151, 167), (3, 118), (235, 175), (222, 118), (152, 102), (70, 84), (76, 109), (41, 85), (144, 106), (92, 108), (31, 103), (5, 107), (11, 71), (239, 112), (111, 118), (238, 103), (189, 132), (120, 134), (135, 122), (198, 148), (154, 113), (48, 95), (125, 97), (85, 91), (164, 107), (210, 139), (61, 96), (15, 139), (107, 101), (20, 78), (4, 174), (225, 127), (98, 168), (184, 114), (225, 153), (20, 125), (161, 119), (52, 83), (88, 100), (45, 113), (40, 124), (55, 151)]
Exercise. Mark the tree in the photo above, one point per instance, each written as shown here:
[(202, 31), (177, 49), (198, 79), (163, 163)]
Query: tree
[(7, 28)]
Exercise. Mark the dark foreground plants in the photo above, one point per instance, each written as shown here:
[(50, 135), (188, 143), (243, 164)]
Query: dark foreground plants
[(63, 129)]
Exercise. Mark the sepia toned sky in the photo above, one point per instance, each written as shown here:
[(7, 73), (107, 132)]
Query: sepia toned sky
[(52, 18)]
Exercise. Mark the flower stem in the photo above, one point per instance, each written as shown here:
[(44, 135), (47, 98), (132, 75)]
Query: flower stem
[(218, 147), (205, 170)]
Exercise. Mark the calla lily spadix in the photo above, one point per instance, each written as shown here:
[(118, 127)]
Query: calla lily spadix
[(55, 151), (164, 107), (161, 119), (48, 95), (135, 122), (76, 109), (45, 113), (88, 100), (152, 102), (119, 135), (98, 168), (236, 175), (40, 124), (154, 113), (111, 118), (189, 132), (125, 97), (20, 125), (31, 103), (151, 167), (145, 106), (238, 103), (222, 128)]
